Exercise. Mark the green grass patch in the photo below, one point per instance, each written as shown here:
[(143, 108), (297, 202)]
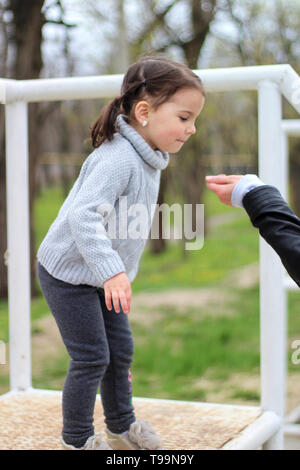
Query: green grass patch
[(46, 208), (227, 247), (180, 348)]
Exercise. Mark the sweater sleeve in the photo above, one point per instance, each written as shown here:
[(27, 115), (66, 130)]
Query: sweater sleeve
[(95, 199)]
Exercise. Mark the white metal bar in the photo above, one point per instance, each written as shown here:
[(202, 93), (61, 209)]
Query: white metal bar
[(291, 127), (4, 84), (214, 80), (18, 244), (198, 404), (285, 165), (272, 292), (2, 91), (69, 88), (269, 80), (294, 416), (246, 78), (256, 434), (292, 437), (290, 87)]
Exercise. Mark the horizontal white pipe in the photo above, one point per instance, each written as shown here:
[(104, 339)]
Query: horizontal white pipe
[(290, 87), (196, 404), (4, 84), (220, 79), (70, 88), (292, 430), (294, 416), (256, 434), (240, 78), (291, 127)]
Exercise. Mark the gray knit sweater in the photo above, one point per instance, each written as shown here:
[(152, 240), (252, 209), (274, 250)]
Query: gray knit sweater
[(78, 248)]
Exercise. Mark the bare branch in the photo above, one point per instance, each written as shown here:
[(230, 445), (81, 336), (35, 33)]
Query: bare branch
[(159, 18), (61, 23)]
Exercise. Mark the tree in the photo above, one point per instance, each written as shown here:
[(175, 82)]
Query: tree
[(269, 33), (21, 28)]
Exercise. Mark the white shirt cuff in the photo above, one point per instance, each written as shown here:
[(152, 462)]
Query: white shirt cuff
[(245, 185)]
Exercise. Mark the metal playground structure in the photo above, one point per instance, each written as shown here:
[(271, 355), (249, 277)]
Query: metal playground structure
[(267, 427)]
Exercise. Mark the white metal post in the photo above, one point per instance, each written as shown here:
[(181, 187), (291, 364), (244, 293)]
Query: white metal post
[(285, 166), (272, 292), (18, 245)]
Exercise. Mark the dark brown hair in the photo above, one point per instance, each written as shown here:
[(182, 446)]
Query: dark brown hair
[(152, 78)]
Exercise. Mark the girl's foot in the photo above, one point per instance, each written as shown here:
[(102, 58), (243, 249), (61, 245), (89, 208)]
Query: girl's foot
[(141, 435), (94, 442)]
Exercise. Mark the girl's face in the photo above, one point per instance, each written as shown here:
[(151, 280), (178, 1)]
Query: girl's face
[(172, 123)]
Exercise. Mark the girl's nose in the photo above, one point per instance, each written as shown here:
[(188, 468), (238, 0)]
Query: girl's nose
[(191, 129)]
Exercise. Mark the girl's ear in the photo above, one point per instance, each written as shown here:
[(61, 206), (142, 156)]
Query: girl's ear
[(141, 111)]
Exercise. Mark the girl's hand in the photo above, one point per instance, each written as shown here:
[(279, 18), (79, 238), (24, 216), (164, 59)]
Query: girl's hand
[(222, 186), (118, 288)]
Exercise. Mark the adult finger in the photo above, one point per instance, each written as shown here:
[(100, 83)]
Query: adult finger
[(215, 188), (218, 179)]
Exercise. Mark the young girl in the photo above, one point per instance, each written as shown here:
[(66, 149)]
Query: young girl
[(85, 275)]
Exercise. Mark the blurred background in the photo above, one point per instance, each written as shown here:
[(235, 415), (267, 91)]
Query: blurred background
[(195, 314)]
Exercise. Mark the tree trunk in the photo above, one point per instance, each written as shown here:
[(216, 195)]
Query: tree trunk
[(26, 38), (158, 245), (3, 238)]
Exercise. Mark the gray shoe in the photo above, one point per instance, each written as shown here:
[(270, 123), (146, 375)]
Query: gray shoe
[(94, 442), (141, 435)]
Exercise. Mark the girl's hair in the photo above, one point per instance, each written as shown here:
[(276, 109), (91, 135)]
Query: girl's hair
[(152, 78)]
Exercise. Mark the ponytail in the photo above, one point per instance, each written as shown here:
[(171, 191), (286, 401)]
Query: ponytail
[(104, 127)]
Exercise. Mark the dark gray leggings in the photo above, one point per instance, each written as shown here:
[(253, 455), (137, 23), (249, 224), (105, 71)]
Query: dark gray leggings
[(100, 345)]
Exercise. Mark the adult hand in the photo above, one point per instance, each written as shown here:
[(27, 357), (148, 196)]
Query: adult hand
[(222, 186), (118, 289)]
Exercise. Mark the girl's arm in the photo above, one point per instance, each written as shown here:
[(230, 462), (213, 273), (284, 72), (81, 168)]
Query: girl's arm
[(104, 183)]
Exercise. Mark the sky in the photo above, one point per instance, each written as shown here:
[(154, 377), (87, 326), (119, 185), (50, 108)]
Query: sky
[(92, 38)]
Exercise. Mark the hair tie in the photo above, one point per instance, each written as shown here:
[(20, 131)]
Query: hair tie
[(143, 82)]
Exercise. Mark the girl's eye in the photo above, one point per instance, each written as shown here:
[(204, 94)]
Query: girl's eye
[(183, 118)]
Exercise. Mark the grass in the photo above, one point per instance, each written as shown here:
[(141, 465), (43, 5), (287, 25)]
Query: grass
[(180, 348), (228, 247), (177, 348)]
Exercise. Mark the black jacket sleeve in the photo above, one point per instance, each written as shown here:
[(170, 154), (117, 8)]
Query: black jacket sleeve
[(277, 224)]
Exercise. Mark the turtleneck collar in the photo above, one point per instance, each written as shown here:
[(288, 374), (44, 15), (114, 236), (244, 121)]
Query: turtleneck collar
[(155, 158)]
